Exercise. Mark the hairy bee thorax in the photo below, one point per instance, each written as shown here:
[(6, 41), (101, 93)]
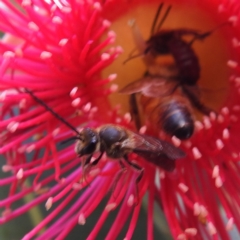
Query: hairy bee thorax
[(112, 138)]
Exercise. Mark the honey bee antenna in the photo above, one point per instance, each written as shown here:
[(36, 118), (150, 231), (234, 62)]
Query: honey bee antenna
[(221, 25), (50, 110), (164, 18), (132, 57), (202, 36), (155, 19)]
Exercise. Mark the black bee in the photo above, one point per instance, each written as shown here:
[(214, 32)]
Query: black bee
[(117, 142)]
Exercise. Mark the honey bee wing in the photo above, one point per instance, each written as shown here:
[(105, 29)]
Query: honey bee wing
[(151, 86), (136, 86)]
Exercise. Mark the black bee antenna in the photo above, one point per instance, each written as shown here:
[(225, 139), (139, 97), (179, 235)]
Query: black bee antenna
[(51, 111), (164, 17)]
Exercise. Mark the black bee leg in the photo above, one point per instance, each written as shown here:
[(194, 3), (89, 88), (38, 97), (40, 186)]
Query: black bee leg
[(134, 110), (95, 162), (87, 161), (86, 168), (87, 165), (138, 179), (117, 177)]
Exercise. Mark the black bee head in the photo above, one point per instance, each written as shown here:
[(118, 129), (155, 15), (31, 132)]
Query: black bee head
[(87, 142)]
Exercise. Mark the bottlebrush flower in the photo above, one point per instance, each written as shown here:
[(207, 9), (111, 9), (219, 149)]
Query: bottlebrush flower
[(58, 50)]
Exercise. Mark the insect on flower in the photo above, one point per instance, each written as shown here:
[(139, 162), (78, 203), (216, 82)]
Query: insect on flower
[(174, 84), (118, 142), (172, 110)]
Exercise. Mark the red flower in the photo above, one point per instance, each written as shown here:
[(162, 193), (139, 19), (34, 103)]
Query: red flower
[(58, 50)]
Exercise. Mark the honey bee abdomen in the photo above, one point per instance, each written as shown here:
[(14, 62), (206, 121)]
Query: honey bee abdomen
[(186, 61), (176, 119)]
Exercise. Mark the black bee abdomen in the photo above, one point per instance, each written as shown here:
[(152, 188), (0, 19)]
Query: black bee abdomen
[(177, 121)]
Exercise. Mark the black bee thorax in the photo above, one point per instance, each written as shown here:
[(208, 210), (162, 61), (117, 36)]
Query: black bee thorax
[(111, 139)]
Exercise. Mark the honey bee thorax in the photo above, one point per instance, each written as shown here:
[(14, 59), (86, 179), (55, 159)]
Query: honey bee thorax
[(186, 60), (159, 43)]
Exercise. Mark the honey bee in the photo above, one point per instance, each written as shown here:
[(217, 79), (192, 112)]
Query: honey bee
[(171, 42), (165, 105), (173, 84), (117, 142)]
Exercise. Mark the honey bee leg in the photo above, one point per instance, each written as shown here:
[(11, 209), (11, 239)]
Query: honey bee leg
[(153, 29), (161, 21), (134, 110), (196, 101), (138, 179), (200, 37)]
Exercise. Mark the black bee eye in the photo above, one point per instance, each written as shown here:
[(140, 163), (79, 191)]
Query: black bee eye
[(89, 141), (90, 148)]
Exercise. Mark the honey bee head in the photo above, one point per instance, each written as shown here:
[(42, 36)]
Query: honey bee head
[(87, 142)]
